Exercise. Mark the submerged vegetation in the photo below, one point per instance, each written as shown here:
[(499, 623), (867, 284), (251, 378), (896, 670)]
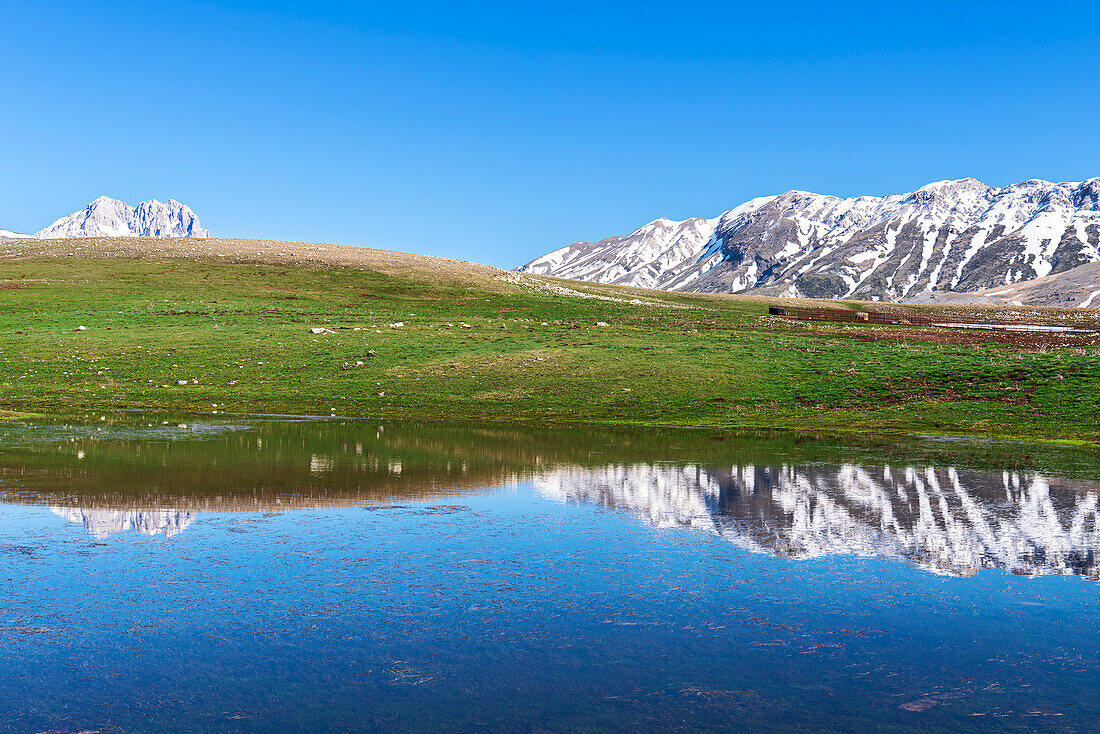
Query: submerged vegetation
[(136, 461), (287, 328)]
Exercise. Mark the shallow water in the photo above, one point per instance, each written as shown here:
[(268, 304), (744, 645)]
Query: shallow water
[(161, 574)]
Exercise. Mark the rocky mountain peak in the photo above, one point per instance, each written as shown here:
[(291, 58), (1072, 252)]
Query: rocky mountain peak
[(107, 217)]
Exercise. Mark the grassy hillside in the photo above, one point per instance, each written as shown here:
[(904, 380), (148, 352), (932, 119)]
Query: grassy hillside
[(233, 319)]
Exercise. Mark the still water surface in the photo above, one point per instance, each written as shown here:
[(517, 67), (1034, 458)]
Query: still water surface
[(350, 576)]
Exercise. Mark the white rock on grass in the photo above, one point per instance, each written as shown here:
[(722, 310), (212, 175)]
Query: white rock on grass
[(321, 330)]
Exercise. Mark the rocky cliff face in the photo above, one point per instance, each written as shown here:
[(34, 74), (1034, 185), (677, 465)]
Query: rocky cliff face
[(106, 217), (950, 236)]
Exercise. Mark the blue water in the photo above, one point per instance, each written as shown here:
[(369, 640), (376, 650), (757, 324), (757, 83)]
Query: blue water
[(514, 607)]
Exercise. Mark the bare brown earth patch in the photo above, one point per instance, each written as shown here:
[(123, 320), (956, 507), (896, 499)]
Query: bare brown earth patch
[(1024, 340), (965, 337)]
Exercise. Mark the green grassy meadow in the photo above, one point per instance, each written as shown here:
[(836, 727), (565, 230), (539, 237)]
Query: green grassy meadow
[(476, 346)]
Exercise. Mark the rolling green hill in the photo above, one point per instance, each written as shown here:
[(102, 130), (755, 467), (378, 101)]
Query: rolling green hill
[(228, 325)]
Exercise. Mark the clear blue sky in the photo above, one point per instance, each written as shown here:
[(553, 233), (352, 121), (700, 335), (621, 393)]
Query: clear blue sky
[(498, 131)]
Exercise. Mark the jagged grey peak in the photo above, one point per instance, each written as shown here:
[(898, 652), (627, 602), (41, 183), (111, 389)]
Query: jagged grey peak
[(960, 236), (107, 217)]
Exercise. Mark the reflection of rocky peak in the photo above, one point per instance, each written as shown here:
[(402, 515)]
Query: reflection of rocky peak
[(101, 523), (940, 519)]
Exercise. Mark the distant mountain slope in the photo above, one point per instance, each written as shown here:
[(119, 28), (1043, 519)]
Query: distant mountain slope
[(107, 217), (648, 258), (1075, 288), (953, 236), (9, 235)]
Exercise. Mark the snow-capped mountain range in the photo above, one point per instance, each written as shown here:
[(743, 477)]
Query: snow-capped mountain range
[(940, 519), (107, 217), (950, 236)]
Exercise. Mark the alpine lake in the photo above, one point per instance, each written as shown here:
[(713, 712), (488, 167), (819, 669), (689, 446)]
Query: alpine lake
[(175, 573)]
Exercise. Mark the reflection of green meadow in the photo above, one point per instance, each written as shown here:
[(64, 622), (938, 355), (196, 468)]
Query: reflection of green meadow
[(125, 462), (472, 345)]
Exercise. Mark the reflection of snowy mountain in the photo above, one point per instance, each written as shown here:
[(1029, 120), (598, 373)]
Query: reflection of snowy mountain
[(102, 523), (941, 519)]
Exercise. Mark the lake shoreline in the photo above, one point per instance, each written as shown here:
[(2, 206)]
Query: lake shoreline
[(565, 423), (1048, 458)]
